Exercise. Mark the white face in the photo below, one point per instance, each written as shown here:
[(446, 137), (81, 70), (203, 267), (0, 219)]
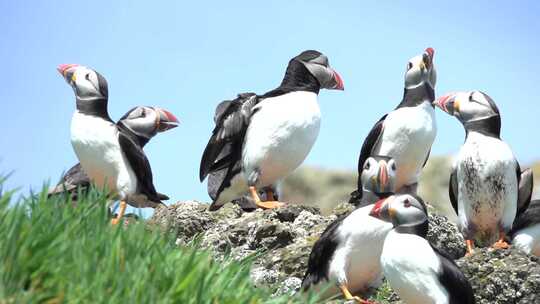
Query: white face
[(142, 120), (86, 83), (420, 70), (468, 106), (379, 176)]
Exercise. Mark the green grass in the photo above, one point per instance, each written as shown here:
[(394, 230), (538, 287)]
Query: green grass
[(54, 252)]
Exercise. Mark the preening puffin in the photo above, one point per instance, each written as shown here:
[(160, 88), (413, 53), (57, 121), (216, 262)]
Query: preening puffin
[(418, 272), (348, 251), (109, 154), (260, 139), (143, 122), (483, 185), (407, 133)]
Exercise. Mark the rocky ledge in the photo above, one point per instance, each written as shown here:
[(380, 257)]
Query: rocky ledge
[(281, 239)]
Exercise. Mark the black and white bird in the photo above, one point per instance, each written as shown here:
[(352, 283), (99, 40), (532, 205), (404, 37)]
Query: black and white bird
[(485, 178), (260, 139), (525, 233), (348, 251), (418, 272), (407, 133), (109, 154), (143, 122)]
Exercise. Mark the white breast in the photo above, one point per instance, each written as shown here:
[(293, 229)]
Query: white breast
[(411, 266), (95, 142), (407, 137), (356, 261), (487, 185), (528, 240), (280, 135)]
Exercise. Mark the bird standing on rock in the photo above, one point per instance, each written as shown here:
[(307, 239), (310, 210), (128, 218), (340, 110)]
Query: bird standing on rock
[(143, 123), (348, 251), (260, 139), (407, 133), (109, 154), (417, 271), (485, 178)]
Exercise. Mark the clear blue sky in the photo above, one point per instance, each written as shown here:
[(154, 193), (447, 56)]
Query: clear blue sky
[(188, 56)]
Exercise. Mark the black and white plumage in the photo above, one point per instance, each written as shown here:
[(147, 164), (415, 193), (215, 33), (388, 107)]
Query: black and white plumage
[(485, 177), (143, 123), (407, 133), (417, 271), (525, 233), (348, 251), (260, 139), (109, 154)]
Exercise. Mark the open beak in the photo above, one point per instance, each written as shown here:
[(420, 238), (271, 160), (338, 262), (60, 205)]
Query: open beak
[(448, 103), (382, 210), (67, 71), (383, 176), (166, 121), (337, 80)]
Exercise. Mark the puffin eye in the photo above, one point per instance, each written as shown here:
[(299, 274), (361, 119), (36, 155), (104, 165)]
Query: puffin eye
[(407, 203), (393, 166), (409, 66), (366, 166), (87, 76)]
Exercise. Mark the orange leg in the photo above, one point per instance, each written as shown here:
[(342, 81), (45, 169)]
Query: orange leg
[(470, 246), (501, 243), (261, 204), (117, 219), (348, 296)]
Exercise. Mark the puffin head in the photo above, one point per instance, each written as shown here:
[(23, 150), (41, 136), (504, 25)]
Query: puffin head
[(468, 106), (148, 121), (86, 83), (379, 174), (317, 65), (400, 210), (421, 70)]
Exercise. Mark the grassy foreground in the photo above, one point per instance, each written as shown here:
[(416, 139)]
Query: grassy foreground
[(52, 252)]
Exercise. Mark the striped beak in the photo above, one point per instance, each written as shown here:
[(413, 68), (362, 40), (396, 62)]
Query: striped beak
[(166, 121)]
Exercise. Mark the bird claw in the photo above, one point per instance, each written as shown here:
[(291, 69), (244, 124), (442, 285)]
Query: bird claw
[(501, 245), (270, 204), (362, 301)]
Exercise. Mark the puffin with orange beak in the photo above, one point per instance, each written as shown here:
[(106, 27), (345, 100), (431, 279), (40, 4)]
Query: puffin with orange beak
[(110, 154), (484, 185), (348, 251), (260, 139), (142, 123), (406, 133), (417, 271)]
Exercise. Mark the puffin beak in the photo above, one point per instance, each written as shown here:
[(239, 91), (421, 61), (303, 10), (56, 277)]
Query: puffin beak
[(166, 121), (427, 58), (448, 103), (337, 80), (67, 71), (383, 176), (382, 210)]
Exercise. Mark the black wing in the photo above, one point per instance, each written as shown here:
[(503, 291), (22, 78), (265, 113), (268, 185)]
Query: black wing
[(322, 252), (367, 148), (140, 166), (453, 189), (525, 189), (71, 180), (528, 218), (454, 281), (232, 119)]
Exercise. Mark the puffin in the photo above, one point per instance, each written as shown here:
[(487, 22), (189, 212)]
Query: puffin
[(260, 139), (109, 153), (406, 134), (525, 233), (143, 122), (348, 251), (417, 271), (485, 178)]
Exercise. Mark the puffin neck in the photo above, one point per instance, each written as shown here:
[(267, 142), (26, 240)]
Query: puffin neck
[(489, 126), (417, 95), (419, 228), (94, 107), (297, 78), (139, 139)]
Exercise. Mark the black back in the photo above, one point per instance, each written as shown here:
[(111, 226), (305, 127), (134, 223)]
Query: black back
[(367, 149), (527, 219), (452, 279), (297, 78), (453, 189)]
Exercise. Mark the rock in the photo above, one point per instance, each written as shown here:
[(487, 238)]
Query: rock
[(502, 276), (445, 236), (289, 286)]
